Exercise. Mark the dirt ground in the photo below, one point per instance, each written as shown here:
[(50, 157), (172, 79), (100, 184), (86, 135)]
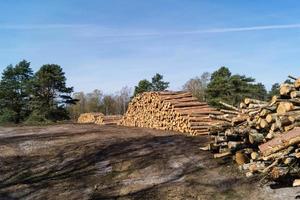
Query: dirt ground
[(74, 161)]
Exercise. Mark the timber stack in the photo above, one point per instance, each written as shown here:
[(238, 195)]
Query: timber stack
[(89, 118), (108, 120), (99, 118), (263, 137), (176, 111)]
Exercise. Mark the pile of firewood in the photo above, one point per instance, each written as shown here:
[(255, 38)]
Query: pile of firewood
[(262, 136), (88, 118), (108, 120), (99, 118), (177, 111)]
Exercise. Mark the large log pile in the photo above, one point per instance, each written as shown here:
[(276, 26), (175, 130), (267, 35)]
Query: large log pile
[(263, 136), (89, 118), (177, 111)]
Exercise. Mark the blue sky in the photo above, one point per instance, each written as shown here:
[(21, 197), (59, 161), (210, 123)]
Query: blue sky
[(108, 44)]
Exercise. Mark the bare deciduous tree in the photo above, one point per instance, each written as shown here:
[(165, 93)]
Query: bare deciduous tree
[(197, 86), (96, 101)]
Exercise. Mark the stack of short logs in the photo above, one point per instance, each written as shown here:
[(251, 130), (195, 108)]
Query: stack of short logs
[(89, 118), (262, 137), (99, 118), (176, 111), (108, 120)]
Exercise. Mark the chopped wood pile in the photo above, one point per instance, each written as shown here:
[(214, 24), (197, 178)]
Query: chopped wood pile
[(89, 118), (108, 119), (262, 137), (99, 118), (176, 111)]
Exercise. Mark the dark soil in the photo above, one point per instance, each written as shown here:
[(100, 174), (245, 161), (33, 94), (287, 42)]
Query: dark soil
[(111, 162)]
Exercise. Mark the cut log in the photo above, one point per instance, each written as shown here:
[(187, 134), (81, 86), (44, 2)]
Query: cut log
[(264, 112), (264, 123), (229, 106), (229, 112), (248, 101), (296, 182), (280, 142), (239, 119), (256, 138), (285, 89), (279, 154), (297, 83), (284, 107), (295, 94), (222, 155), (189, 104), (271, 117), (254, 155), (243, 105)]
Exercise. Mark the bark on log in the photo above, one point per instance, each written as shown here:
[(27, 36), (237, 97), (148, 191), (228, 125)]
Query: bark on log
[(247, 101), (281, 142), (256, 138), (229, 106)]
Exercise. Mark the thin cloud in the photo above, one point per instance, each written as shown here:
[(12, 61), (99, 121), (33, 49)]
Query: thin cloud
[(41, 26)]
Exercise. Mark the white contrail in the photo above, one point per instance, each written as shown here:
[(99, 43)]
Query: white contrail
[(145, 34), (250, 28), (201, 31)]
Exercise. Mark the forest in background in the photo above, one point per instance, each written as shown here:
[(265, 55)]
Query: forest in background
[(43, 96)]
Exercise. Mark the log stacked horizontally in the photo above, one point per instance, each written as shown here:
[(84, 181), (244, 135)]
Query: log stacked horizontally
[(99, 118), (87, 118), (108, 120), (177, 111), (263, 136)]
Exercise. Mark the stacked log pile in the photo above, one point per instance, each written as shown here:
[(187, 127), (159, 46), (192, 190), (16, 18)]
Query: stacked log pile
[(88, 118), (176, 111), (108, 120), (99, 118), (262, 136)]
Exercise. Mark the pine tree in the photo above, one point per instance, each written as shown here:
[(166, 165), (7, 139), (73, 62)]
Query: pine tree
[(14, 92), (143, 86), (158, 84), (50, 93), (233, 89)]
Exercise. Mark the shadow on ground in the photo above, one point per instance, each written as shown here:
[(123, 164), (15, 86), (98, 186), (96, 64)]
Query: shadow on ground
[(115, 163)]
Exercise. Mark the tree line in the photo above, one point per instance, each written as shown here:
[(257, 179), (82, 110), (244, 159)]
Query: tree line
[(221, 85), (96, 101), (43, 96), (113, 104)]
